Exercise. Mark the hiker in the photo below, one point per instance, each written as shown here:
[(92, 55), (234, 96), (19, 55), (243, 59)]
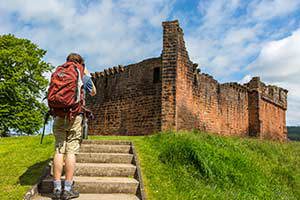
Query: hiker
[(66, 102)]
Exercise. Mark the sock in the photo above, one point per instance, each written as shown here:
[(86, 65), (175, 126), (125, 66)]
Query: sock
[(68, 185), (57, 185)]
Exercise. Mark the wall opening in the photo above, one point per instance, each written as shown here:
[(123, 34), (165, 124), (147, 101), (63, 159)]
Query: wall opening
[(106, 82), (156, 75)]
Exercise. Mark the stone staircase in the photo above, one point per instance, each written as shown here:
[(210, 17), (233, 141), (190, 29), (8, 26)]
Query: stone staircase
[(104, 170)]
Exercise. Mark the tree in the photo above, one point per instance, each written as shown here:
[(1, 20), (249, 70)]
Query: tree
[(22, 85)]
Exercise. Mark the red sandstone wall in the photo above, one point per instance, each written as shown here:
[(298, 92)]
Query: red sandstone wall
[(230, 109), (127, 103), (233, 110), (272, 117), (169, 64), (267, 110), (221, 108), (206, 103), (185, 112), (253, 110), (203, 103)]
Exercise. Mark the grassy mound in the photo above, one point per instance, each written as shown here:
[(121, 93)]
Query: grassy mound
[(204, 166), (185, 165)]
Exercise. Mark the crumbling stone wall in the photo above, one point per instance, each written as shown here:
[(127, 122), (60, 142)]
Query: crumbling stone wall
[(131, 102), (233, 108), (269, 104), (128, 101), (168, 77), (202, 102), (221, 108)]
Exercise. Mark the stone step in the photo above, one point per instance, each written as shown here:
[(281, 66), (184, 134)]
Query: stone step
[(104, 158), (104, 169), (92, 148), (96, 185), (106, 142), (96, 197)]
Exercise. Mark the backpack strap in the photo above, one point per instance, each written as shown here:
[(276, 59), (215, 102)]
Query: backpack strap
[(79, 84), (47, 115)]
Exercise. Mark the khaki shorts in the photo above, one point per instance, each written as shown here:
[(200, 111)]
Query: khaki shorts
[(67, 134)]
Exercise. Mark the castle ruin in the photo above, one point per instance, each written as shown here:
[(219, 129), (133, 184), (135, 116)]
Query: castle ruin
[(170, 93)]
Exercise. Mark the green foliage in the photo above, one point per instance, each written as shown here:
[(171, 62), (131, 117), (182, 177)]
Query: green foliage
[(21, 85)]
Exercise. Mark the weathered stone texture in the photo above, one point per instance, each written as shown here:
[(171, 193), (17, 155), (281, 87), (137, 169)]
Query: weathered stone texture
[(127, 102), (272, 117), (269, 104), (169, 66), (131, 102)]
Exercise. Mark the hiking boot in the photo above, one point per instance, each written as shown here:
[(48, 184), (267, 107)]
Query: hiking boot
[(56, 195), (69, 194)]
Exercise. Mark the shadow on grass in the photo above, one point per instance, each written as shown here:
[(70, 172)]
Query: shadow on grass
[(33, 173)]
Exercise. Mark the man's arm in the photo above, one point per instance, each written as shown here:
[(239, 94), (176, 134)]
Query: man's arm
[(94, 92), (88, 83)]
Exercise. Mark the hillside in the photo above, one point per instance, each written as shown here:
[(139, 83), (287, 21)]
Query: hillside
[(294, 132), (179, 166), (204, 166)]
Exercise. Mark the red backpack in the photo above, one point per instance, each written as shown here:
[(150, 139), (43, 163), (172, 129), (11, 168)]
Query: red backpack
[(65, 93)]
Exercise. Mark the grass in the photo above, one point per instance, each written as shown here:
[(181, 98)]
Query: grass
[(21, 162), (178, 166), (204, 166)]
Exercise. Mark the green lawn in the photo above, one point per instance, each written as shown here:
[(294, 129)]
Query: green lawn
[(178, 166), (21, 162)]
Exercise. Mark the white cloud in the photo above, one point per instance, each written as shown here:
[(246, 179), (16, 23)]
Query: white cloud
[(279, 63), (266, 9), (222, 43), (39, 11), (231, 33), (107, 32), (245, 79), (279, 60), (217, 12), (239, 36)]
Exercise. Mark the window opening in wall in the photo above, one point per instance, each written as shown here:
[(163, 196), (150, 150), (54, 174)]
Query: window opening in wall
[(106, 81), (156, 75), (195, 79)]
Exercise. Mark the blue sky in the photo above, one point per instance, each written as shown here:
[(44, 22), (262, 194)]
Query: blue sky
[(233, 40)]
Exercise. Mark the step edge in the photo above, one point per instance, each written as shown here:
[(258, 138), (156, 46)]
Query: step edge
[(79, 179)]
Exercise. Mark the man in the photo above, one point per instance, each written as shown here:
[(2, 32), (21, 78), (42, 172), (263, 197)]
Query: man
[(67, 134)]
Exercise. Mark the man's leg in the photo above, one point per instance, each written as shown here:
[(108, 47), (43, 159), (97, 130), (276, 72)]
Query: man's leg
[(59, 132), (58, 162), (72, 148), (70, 166), (69, 172)]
